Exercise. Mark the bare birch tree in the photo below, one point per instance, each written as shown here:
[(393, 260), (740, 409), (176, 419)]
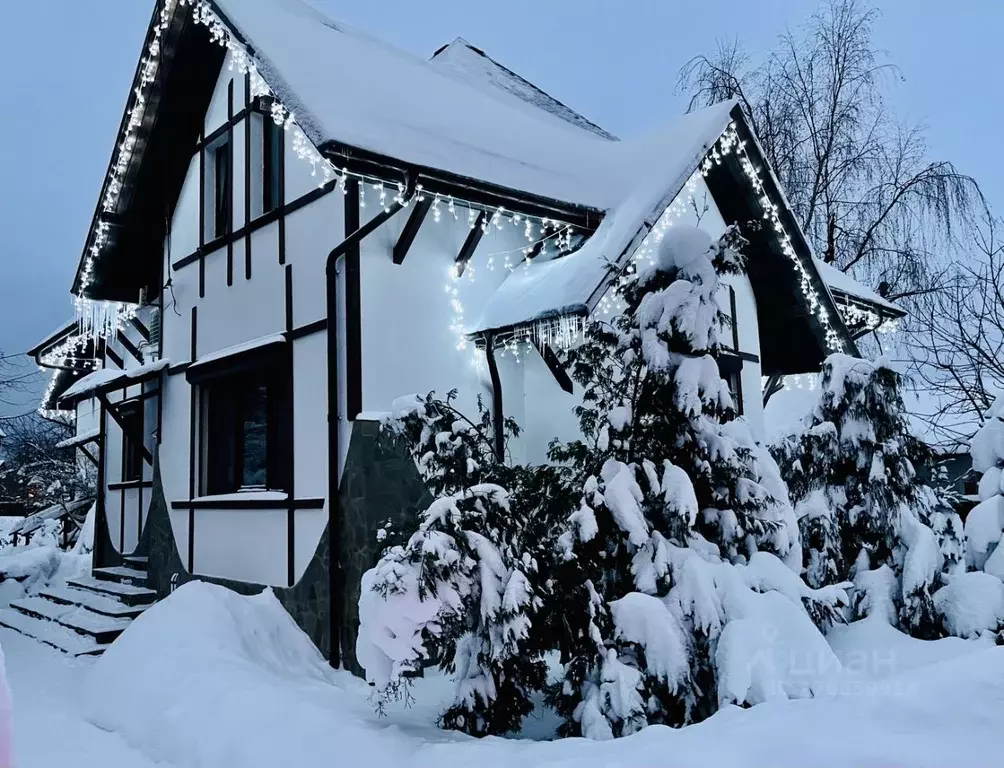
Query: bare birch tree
[(958, 341), (861, 182)]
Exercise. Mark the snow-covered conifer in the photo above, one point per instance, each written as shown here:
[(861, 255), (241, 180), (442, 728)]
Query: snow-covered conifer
[(984, 529), (675, 497), (463, 590), (861, 505)]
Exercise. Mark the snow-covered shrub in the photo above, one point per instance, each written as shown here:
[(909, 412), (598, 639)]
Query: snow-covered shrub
[(863, 513), (984, 527), (464, 590), (675, 498), (972, 603)]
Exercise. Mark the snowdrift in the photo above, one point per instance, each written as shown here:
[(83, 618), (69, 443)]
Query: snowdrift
[(25, 570), (210, 678)]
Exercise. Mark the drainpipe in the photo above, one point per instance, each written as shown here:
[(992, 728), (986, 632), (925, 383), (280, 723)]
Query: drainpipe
[(498, 416), (335, 576)]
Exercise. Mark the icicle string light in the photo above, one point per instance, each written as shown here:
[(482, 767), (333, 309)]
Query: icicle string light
[(730, 140), (728, 144), (104, 318)]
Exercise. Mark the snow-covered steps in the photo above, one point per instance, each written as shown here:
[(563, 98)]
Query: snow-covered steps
[(51, 633), (103, 629), (121, 574), (107, 606), (129, 594), (136, 561), (86, 615), (40, 608)]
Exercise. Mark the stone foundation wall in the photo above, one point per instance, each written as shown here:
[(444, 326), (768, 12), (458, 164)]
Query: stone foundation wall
[(379, 483)]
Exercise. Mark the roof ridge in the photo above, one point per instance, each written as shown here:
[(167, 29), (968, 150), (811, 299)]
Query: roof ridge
[(459, 40)]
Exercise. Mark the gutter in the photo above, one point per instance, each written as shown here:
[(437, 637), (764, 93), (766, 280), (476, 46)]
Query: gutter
[(335, 574)]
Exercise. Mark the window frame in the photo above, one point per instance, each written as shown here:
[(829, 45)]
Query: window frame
[(219, 199), (730, 368), (271, 164), (220, 400), (131, 413)]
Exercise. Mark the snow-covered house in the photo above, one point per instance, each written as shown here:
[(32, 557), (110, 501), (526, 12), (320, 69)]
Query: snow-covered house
[(301, 224)]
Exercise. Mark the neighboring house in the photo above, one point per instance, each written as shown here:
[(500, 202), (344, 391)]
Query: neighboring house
[(301, 224)]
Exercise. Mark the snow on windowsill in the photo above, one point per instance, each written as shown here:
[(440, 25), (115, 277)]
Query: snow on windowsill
[(243, 496), (247, 346)]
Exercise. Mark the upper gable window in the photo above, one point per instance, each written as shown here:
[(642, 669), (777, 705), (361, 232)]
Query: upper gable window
[(219, 190), (267, 147)]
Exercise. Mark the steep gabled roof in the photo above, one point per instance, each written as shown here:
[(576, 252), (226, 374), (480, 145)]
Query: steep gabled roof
[(797, 315), (361, 102), (476, 67)]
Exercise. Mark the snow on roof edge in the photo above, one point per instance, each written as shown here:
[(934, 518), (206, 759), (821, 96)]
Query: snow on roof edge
[(837, 280), (612, 237)]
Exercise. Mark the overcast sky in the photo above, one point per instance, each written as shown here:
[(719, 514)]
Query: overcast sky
[(66, 67)]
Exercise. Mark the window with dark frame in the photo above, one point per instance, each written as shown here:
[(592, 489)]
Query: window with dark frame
[(271, 149), (734, 381), (730, 368), (132, 441), (222, 192), (245, 419)]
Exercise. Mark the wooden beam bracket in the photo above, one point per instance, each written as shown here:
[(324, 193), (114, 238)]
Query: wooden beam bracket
[(138, 437), (471, 243)]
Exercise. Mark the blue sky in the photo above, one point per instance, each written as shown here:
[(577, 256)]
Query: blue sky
[(66, 67)]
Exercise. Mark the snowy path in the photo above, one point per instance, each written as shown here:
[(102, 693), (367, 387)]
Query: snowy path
[(49, 729)]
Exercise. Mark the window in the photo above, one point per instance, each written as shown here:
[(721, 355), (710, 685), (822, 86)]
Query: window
[(730, 367), (245, 419), (132, 441), (219, 204), (266, 165), (271, 150)]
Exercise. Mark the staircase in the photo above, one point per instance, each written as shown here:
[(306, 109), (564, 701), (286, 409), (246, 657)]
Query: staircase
[(85, 616)]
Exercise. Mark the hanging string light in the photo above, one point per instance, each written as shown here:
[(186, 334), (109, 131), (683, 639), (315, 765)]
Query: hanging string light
[(100, 318)]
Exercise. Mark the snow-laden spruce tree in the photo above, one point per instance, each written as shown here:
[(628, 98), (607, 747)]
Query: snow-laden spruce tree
[(464, 589), (681, 518), (863, 512), (647, 557), (985, 522)]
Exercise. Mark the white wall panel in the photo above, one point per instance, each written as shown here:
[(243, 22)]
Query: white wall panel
[(246, 545)]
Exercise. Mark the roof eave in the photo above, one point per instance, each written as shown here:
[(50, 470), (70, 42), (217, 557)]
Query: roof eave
[(446, 183)]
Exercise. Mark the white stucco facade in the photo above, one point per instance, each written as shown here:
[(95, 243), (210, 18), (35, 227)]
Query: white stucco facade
[(228, 297)]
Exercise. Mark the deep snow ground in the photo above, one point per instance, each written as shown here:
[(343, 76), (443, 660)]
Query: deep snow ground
[(238, 685), (49, 729)]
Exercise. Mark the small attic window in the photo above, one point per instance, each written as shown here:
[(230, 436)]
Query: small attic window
[(219, 188), (266, 148)]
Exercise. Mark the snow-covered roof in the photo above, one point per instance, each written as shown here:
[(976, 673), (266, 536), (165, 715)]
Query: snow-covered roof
[(93, 381), (32, 522), (476, 67), (842, 282), (80, 438), (403, 107), (656, 168), (237, 349), (104, 378)]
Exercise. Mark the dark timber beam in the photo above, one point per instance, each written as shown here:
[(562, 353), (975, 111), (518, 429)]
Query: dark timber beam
[(410, 230), (138, 325), (471, 243), (555, 367), (103, 398), (131, 348), (114, 357), (93, 459)]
